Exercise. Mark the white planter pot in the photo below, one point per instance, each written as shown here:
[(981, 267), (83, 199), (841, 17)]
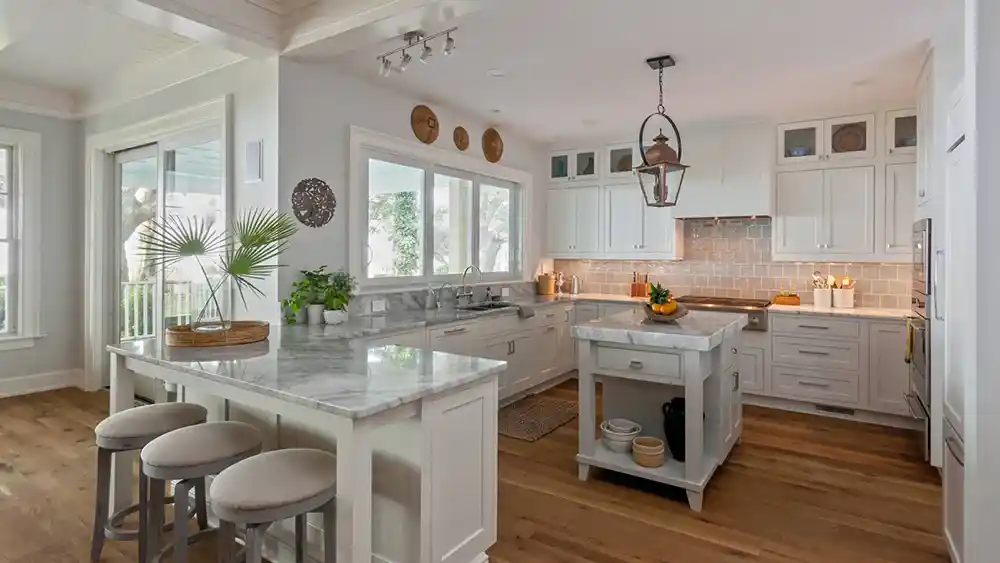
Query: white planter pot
[(334, 316), (315, 313), (843, 298), (822, 298)]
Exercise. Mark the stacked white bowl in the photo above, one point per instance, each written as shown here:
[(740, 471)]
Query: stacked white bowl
[(617, 434)]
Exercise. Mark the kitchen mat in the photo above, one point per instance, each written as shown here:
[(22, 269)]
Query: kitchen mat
[(533, 417)]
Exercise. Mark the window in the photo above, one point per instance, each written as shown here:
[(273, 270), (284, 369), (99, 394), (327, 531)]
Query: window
[(426, 222), (8, 244), (20, 220)]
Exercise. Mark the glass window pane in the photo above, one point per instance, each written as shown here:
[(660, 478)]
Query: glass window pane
[(137, 277), (5, 216), (4, 163), (6, 314), (452, 212), (495, 213), (395, 220)]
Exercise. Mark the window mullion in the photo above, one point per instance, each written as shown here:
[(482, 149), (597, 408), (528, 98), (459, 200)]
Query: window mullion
[(474, 223), (428, 221)]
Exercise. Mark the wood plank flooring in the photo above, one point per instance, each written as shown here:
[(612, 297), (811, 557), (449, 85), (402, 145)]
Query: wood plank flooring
[(798, 489)]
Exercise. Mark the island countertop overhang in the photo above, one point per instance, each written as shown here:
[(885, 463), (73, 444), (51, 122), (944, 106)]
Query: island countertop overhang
[(698, 330)]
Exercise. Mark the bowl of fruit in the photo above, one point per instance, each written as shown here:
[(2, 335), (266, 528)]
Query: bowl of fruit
[(662, 308)]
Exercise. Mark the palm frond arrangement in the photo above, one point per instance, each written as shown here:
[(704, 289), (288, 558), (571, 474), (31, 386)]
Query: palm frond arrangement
[(246, 254)]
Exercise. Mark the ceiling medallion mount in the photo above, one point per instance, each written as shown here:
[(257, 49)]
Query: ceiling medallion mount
[(661, 172), (415, 40)]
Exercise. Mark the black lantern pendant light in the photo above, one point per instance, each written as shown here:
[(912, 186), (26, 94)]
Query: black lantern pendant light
[(661, 172)]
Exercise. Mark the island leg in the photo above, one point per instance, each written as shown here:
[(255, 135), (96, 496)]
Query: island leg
[(694, 500), (694, 416), (354, 494), (122, 398), (588, 407)]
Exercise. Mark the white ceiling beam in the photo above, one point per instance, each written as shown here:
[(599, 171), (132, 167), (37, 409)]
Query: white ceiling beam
[(233, 25)]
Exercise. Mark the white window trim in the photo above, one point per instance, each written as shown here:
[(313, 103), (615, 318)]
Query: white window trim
[(365, 141), (28, 201)]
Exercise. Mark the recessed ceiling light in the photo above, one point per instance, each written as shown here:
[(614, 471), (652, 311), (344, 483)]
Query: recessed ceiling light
[(497, 73), (495, 110)]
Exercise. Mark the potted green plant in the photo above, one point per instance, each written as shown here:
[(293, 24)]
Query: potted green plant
[(338, 297), (311, 291)]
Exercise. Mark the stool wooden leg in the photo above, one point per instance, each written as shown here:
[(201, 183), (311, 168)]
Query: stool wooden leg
[(330, 532), (154, 521), (254, 541), (300, 538), (201, 508), (143, 516), (181, 501), (227, 541), (101, 503)]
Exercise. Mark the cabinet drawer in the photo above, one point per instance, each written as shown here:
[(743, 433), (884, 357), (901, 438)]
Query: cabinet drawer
[(818, 386), (667, 366), (813, 326), (813, 352), (453, 332)]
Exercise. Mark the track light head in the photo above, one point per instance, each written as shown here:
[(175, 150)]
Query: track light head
[(426, 53), (449, 46), (404, 63), (385, 67)]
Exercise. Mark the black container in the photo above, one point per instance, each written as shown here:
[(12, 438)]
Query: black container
[(673, 427)]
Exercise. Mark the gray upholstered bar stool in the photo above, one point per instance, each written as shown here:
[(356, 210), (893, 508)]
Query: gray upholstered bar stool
[(187, 456), (275, 486), (128, 431)]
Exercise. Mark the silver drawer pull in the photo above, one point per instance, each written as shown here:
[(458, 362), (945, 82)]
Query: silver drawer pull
[(950, 442), (817, 327), (635, 364), (456, 330), (813, 352), (814, 384)]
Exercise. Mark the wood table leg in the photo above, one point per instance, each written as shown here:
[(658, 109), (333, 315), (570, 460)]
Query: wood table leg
[(354, 495), (122, 398)]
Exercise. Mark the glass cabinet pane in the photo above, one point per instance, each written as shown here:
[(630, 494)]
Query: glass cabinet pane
[(560, 167), (621, 160), (905, 132), (849, 137), (801, 142), (586, 163)]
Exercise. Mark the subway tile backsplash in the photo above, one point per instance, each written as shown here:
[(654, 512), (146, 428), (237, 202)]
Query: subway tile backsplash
[(732, 258)]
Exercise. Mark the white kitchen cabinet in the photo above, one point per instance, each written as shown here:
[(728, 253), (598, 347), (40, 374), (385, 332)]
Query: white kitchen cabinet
[(801, 142), (574, 165), (902, 129), (500, 349), (888, 373), (574, 215), (955, 118), (898, 203), (958, 309), (624, 207), (825, 214), (620, 159), (953, 488), (837, 139), (734, 405), (751, 368), (925, 132)]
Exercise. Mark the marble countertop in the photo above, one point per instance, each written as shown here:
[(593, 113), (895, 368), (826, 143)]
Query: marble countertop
[(867, 312), (323, 370), (698, 330)]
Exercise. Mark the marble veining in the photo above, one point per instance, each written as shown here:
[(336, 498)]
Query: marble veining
[(869, 312), (698, 330), (322, 369)]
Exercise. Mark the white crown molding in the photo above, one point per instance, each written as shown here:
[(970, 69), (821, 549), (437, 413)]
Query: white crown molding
[(36, 99)]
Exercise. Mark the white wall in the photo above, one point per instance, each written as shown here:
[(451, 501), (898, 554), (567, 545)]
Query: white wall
[(62, 265), (253, 85), (318, 103)]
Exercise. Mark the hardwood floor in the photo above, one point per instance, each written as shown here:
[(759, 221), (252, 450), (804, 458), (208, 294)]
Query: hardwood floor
[(798, 489)]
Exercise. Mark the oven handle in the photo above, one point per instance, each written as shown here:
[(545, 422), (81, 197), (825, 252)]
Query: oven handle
[(936, 265)]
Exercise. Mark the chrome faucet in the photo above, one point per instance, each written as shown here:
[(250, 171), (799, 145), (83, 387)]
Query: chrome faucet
[(466, 291), (440, 291)]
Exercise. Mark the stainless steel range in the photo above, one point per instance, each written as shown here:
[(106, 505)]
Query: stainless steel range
[(756, 309)]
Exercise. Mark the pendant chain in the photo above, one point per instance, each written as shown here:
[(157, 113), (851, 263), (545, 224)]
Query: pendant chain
[(660, 107)]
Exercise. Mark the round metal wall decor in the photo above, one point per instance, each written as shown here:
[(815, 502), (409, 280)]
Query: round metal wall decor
[(461, 137), (492, 145), (425, 124), (313, 202)]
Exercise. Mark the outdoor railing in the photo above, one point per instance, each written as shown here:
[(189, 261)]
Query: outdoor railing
[(181, 304)]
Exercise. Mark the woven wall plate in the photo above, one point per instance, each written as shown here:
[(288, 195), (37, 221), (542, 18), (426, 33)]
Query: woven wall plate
[(425, 124), (492, 145), (461, 137), (313, 202)]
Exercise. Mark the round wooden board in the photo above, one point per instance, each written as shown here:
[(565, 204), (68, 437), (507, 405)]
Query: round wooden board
[(425, 124), (492, 145), (461, 137)]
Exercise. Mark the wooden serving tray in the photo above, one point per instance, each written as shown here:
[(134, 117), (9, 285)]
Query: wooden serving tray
[(239, 332), (671, 318)]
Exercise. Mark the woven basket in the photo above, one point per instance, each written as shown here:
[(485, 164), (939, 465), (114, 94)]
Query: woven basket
[(239, 332)]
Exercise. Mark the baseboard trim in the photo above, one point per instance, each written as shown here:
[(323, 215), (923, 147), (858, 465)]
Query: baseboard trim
[(36, 383), (867, 417)]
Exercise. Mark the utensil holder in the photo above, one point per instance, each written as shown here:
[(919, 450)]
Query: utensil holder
[(843, 298), (822, 298)]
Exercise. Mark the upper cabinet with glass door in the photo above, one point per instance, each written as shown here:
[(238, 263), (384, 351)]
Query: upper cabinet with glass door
[(901, 132), (840, 138), (620, 159), (571, 166)]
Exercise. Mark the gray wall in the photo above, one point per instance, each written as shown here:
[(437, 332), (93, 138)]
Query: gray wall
[(62, 250)]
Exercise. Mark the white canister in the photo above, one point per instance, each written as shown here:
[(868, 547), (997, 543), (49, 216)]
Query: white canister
[(843, 298), (822, 298), (315, 313), (334, 316)]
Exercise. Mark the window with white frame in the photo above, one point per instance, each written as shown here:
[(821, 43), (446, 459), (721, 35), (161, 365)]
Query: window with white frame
[(20, 218), (8, 243), (427, 223)]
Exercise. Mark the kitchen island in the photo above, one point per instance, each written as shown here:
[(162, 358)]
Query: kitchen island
[(643, 366), (408, 426)]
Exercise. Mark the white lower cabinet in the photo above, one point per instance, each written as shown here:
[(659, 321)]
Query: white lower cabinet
[(888, 376), (751, 366), (953, 484)]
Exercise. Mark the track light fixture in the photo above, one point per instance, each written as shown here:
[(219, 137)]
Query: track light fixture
[(413, 40)]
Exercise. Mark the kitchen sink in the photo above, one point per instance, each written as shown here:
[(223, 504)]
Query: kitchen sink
[(486, 306)]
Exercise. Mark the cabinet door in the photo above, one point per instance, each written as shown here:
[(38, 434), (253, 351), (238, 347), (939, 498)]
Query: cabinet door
[(798, 213), (958, 309), (587, 219), (800, 142), (898, 206), (501, 349), (953, 485), (619, 160), (561, 217), (888, 373), (526, 347), (735, 386), (850, 213), (751, 364), (585, 165), (559, 166), (901, 132), (661, 230), (851, 137), (624, 207)]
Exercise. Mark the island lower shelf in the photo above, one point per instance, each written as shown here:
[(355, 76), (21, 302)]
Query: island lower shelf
[(672, 472)]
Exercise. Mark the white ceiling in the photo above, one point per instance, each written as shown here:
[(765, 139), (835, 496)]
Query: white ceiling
[(575, 68)]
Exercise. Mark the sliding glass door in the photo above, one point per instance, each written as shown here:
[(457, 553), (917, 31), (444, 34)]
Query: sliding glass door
[(138, 185)]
